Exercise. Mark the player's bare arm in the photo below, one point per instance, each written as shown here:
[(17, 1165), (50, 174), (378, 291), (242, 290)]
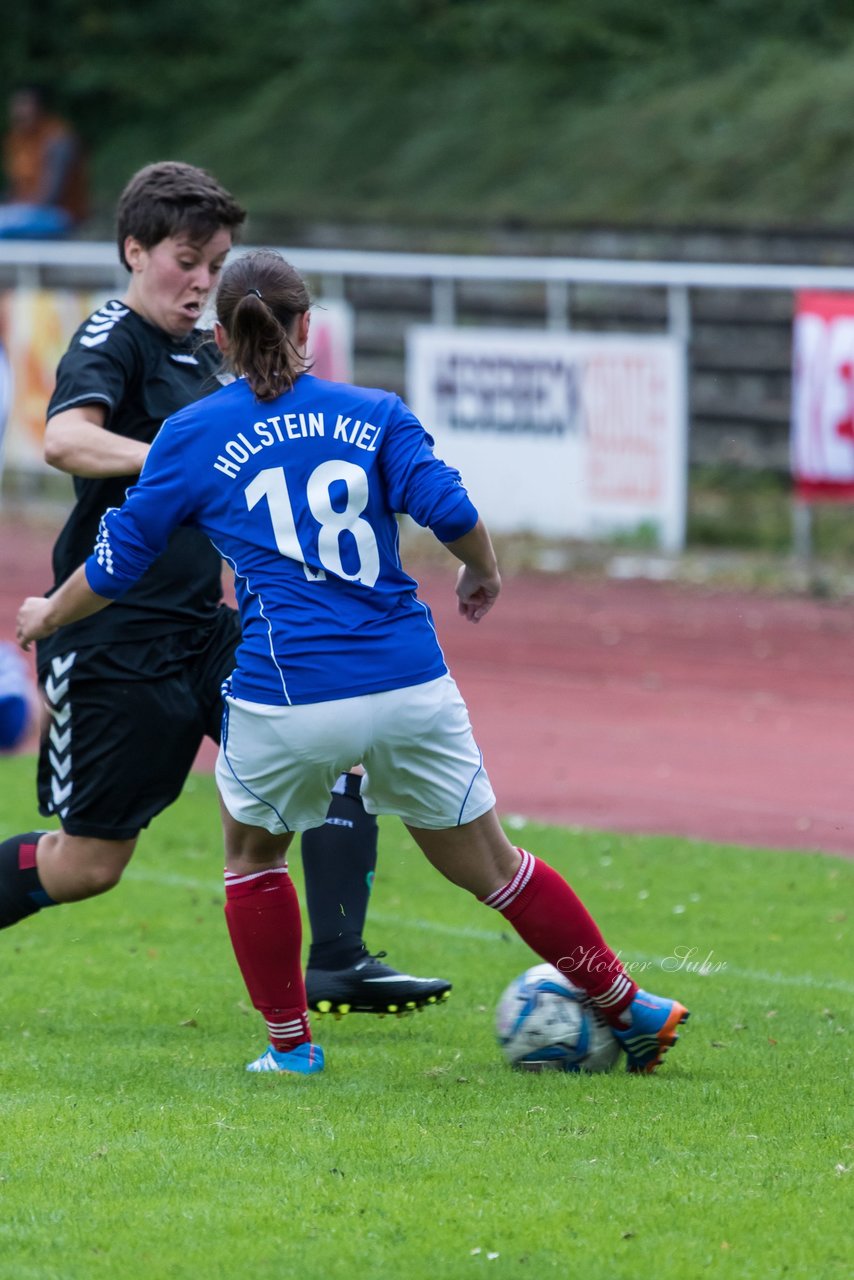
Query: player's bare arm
[(40, 616), (478, 581), (76, 441)]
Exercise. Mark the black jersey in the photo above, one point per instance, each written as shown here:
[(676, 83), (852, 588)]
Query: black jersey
[(140, 375)]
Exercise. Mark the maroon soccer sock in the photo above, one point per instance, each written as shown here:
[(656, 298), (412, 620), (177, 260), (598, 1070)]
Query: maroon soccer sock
[(263, 916), (554, 922)]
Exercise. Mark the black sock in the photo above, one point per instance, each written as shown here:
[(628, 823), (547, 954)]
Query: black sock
[(338, 862), (21, 892)]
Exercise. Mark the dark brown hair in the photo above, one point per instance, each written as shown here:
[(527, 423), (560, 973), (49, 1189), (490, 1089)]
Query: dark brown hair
[(168, 198), (259, 302)]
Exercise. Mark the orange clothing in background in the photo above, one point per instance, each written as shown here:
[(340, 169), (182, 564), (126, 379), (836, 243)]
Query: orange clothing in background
[(28, 165)]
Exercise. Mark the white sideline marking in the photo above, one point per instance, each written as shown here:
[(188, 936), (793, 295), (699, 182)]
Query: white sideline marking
[(807, 980)]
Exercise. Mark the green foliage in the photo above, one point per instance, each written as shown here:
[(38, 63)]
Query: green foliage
[(133, 1143), (458, 110), (730, 506), (743, 509)]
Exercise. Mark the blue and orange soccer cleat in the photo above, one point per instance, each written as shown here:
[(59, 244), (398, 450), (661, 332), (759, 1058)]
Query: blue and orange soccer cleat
[(651, 1032), (305, 1060)]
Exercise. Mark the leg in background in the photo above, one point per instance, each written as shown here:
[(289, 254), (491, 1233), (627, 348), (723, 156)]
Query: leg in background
[(43, 868), (339, 859)]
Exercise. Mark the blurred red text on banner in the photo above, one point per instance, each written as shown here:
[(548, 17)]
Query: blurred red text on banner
[(822, 436)]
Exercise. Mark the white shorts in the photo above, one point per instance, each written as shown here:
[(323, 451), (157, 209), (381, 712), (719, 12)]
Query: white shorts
[(277, 765)]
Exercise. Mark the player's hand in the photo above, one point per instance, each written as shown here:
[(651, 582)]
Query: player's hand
[(34, 621), (476, 593)]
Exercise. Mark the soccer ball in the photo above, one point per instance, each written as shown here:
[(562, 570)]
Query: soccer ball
[(542, 1024)]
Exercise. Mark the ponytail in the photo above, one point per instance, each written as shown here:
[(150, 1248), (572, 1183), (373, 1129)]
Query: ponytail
[(259, 304)]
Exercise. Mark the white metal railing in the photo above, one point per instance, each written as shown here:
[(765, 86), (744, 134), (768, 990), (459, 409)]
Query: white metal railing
[(29, 259)]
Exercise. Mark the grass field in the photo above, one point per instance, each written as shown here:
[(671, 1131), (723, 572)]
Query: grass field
[(133, 1144)]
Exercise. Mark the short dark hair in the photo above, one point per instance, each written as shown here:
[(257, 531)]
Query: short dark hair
[(169, 197)]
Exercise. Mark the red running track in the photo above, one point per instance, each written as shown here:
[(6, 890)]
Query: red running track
[(635, 706)]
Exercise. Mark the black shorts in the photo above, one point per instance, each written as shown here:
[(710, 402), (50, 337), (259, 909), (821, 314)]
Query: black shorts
[(125, 725)]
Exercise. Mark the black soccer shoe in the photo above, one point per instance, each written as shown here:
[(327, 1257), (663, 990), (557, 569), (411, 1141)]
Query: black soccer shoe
[(369, 986)]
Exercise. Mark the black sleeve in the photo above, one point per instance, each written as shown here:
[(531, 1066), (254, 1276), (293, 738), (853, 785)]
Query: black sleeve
[(99, 365)]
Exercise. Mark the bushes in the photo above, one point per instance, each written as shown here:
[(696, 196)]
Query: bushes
[(456, 110)]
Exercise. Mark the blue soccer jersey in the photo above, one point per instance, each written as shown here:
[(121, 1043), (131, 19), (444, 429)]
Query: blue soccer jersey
[(299, 496)]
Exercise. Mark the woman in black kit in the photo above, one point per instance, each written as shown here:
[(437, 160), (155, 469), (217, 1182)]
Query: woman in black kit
[(132, 692)]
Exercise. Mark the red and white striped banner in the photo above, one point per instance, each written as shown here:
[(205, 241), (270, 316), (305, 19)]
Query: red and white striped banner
[(822, 442)]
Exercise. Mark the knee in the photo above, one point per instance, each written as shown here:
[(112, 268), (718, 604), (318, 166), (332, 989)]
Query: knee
[(73, 867), (240, 862), (88, 872), (99, 877), (252, 849)]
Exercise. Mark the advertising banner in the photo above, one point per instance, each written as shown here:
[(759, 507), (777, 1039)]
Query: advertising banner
[(822, 440), (559, 434), (36, 326), (330, 340)]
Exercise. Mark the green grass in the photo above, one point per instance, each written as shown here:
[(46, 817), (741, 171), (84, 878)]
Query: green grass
[(133, 1144)]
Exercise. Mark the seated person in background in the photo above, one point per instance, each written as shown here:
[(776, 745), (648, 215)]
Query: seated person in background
[(44, 178)]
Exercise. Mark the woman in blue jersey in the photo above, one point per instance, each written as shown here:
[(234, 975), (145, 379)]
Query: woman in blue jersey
[(297, 482)]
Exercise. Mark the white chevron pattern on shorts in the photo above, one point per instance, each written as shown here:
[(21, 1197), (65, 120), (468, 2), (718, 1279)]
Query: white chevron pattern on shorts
[(59, 795), (60, 764), (59, 666), (59, 753), (55, 692), (59, 740)]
